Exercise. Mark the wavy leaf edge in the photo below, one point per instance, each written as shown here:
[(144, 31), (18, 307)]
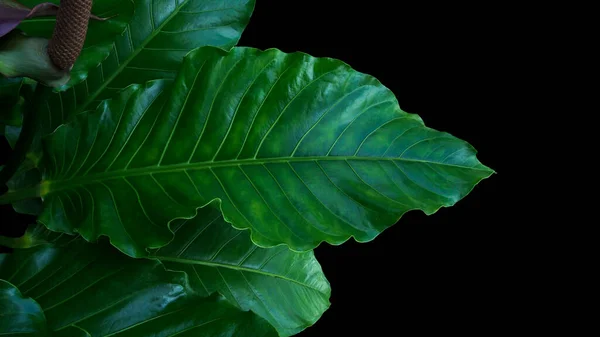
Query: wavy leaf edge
[(179, 277), (25, 300), (39, 235), (44, 187)]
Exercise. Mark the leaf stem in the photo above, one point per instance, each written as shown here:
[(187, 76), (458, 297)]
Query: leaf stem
[(26, 193), (28, 132)]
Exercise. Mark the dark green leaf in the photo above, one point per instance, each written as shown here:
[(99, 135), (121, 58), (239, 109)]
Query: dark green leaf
[(12, 114), (12, 134), (286, 288), (298, 149), (27, 174), (97, 283), (9, 90), (19, 316), (14, 91), (24, 178), (151, 47), (87, 289)]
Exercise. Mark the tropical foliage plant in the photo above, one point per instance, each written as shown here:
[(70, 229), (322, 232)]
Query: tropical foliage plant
[(180, 183)]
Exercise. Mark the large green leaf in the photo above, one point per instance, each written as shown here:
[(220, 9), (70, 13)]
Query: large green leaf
[(19, 315), (151, 47), (298, 149), (92, 290), (286, 288)]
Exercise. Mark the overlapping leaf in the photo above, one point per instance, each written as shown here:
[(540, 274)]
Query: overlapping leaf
[(286, 288), (92, 290), (298, 149), (19, 316), (151, 46), (27, 174)]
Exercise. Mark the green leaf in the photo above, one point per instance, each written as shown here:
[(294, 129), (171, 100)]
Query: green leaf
[(24, 178), (27, 175), (13, 93), (9, 90), (12, 115), (299, 150), (93, 290), (151, 47), (100, 36), (12, 134), (286, 288), (19, 315)]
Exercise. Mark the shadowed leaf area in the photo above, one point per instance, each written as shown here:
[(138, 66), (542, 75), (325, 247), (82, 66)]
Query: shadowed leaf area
[(68, 287)]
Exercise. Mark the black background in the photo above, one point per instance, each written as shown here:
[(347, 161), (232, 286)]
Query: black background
[(427, 274)]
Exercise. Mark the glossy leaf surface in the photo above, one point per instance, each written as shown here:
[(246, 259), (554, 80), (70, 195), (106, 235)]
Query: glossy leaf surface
[(286, 288), (19, 316), (151, 46), (93, 290), (298, 149)]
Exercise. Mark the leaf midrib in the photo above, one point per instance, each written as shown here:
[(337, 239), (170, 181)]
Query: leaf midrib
[(124, 64), (234, 267), (50, 186)]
